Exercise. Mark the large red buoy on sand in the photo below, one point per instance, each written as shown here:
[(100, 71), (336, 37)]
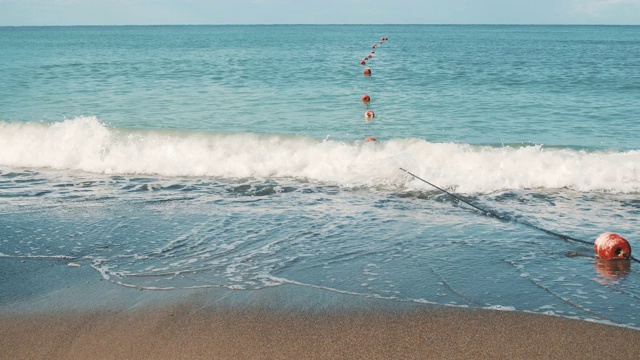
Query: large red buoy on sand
[(366, 98), (610, 246), (369, 114), (370, 139)]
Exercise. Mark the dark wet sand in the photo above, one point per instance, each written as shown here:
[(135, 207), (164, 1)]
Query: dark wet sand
[(194, 331)]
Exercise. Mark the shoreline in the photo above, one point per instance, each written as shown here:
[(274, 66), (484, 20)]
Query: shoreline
[(49, 310)]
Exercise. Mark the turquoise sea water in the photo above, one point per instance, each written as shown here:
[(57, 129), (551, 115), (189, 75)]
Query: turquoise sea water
[(171, 157)]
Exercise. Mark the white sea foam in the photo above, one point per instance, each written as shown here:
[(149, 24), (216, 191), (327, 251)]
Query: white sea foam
[(85, 144)]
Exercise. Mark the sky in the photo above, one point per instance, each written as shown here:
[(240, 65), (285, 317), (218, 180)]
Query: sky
[(151, 12)]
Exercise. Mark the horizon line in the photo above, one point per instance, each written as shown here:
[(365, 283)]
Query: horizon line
[(328, 24)]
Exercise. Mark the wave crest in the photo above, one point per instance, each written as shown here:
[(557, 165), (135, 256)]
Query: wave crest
[(85, 144)]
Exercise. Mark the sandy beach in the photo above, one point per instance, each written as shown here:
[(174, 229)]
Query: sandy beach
[(188, 331)]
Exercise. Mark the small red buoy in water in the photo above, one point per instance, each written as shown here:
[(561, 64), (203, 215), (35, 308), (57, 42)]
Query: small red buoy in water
[(370, 56), (367, 72), (366, 98), (374, 46), (369, 114), (373, 51), (610, 246), (362, 62), (370, 139)]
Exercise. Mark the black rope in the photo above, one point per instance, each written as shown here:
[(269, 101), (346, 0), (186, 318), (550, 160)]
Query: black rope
[(505, 218)]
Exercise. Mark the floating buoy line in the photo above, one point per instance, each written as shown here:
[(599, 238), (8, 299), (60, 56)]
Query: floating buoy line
[(608, 246), (369, 115)]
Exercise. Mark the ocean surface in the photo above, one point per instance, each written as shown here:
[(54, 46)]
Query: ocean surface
[(173, 157)]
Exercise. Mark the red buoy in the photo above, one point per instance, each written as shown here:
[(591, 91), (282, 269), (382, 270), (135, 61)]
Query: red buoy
[(373, 51), (369, 114), (370, 56), (370, 139), (366, 98), (610, 246), (367, 72), (374, 46), (362, 62)]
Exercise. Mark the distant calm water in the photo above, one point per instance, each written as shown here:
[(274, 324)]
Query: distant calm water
[(173, 157)]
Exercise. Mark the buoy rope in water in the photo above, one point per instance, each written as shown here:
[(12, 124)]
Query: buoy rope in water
[(505, 218), (369, 114)]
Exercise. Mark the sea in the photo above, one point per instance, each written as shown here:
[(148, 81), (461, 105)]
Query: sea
[(167, 158)]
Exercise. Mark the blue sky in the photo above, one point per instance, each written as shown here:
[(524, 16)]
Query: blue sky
[(143, 12)]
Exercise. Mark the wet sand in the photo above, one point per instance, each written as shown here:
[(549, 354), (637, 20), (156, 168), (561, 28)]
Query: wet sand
[(194, 331)]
